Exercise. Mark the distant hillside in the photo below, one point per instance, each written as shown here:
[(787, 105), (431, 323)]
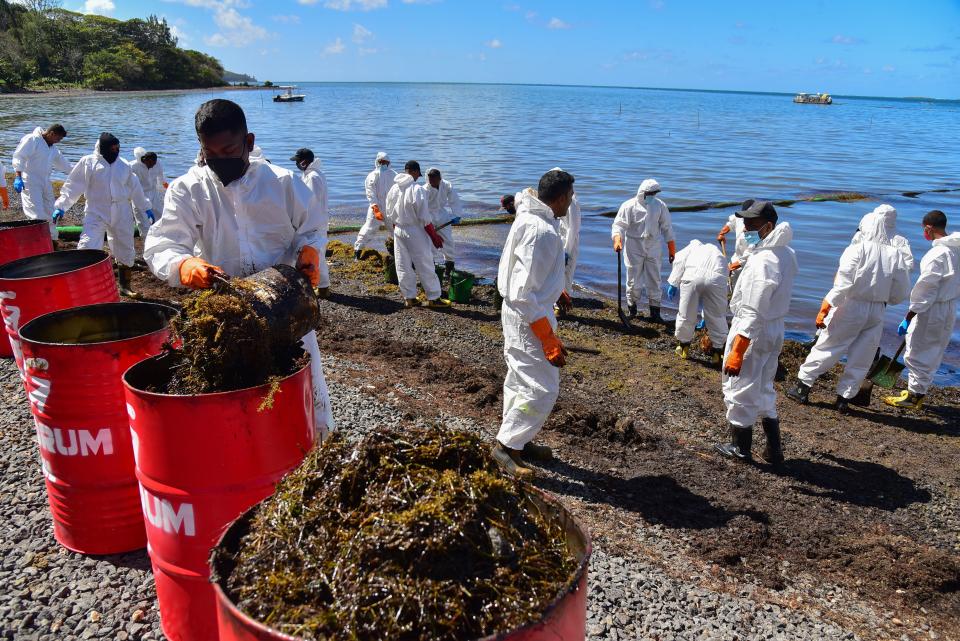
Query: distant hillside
[(43, 45), (230, 76)]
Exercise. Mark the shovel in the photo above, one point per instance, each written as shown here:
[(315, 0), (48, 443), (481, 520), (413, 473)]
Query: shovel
[(886, 371), (623, 317), (723, 250), (452, 221)]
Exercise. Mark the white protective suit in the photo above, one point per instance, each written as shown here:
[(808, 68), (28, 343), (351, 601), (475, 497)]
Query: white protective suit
[(110, 190), (315, 180), (934, 299), (262, 219), (889, 216), (760, 301), (35, 160), (407, 209), (530, 279), (570, 232), (151, 180), (644, 225), (872, 275), (376, 186), (444, 203), (737, 253), (700, 273)]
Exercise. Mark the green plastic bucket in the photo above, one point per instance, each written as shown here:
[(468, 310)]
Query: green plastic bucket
[(461, 285)]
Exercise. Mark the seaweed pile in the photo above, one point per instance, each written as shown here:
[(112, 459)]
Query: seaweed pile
[(408, 536)]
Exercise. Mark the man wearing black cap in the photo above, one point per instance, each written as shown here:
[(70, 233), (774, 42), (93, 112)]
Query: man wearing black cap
[(759, 304), (316, 182)]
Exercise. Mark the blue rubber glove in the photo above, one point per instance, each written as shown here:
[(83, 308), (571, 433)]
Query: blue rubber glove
[(150, 216), (18, 184), (902, 328), (702, 323), (57, 214), (671, 291)]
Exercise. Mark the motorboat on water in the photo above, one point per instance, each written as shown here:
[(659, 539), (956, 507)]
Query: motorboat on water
[(813, 99), (288, 95)]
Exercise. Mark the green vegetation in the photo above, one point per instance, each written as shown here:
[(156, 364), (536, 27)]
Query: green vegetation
[(45, 46)]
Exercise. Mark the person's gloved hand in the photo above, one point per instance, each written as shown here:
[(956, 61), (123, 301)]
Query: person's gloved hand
[(166, 185), (672, 250), (57, 215), (150, 216), (722, 236), (434, 236), (735, 357), (376, 212), (734, 266), (822, 316), (671, 291), (565, 303), (902, 328), (308, 264), (197, 273), (18, 184), (617, 243), (553, 349)]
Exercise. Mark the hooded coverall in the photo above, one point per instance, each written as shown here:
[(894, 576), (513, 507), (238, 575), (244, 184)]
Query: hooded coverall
[(700, 272), (35, 160), (315, 180), (407, 209), (644, 225), (444, 203), (377, 184), (151, 180)]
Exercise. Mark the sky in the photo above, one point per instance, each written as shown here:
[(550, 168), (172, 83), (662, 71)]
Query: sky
[(872, 48)]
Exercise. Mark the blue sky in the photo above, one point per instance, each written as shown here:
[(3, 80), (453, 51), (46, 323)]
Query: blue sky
[(882, 47)]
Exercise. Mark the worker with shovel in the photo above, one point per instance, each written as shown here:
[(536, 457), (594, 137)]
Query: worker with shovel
[(928, 325), (243, 216), (530, 278), (872, 275)]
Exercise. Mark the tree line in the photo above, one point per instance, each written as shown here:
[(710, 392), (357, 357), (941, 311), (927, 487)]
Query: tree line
[(43, 45)]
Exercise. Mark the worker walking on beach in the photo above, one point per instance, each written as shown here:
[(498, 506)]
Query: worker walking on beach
[(530, 279), (242, 216), (110, 189), (33, 161), (699, 275), (872, 275), (445, 205), (641, 225), (759, 304), (929, 323), (414, 234), (378, 183), (316, 181), (147, 168), (889, 216)]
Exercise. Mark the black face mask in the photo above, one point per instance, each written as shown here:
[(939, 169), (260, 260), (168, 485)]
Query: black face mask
[(227, 169), (110, 156), (107, 143)]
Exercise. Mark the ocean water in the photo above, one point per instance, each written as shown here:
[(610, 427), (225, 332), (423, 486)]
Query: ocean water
[(491, 140)]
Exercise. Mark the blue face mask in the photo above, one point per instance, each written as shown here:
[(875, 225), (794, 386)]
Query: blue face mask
[(752, 238)]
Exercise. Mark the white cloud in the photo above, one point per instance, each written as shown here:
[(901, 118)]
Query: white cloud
[(368, 51), (888, 68), (494, 44), (657, 5), (841, 39), (287, 19), (361, 34), (334, 48), (557, 23), (102, 7), (178, 33), (234, 28), (350, 5), (530, 15)]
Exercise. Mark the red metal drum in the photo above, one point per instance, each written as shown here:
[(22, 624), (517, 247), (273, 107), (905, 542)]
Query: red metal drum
[(74, 360), (19, 239), (564, 620), (201, 461), (32, 286)]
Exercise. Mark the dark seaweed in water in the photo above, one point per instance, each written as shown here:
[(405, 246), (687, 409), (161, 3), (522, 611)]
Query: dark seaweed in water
[(407, 536)]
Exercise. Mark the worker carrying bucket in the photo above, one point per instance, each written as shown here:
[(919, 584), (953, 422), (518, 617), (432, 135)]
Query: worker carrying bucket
[(244, 215)]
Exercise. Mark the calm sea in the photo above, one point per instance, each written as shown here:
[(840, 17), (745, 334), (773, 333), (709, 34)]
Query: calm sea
[(491, 140)]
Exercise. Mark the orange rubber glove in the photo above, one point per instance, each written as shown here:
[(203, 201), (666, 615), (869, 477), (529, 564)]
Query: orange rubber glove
[(722, 236), (308, 264), (822, 316), (734, 266), (553, 349), (617, 242), (672, 249), (735, 357), (166, 185), (377, 213), (197, 273), (565, 303), (5, 196)]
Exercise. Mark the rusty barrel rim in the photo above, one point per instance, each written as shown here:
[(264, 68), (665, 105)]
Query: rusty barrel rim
[(19, 224), (52, 264), (158, 317), (235, 530)]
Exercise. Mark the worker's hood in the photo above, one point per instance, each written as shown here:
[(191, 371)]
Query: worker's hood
[(646, 187), (953, 240), (381, 155), (889, 216), (139, 152), (873, 227), (106, 140), (316, 165), (38, 131), (781, 236), (404, 181), (694, 243), (528, 203)]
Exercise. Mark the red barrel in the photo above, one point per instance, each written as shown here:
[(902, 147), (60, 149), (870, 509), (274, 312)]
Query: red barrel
[(201, 461), (19, 239), (565, 619), (74, 360), (32, 286)]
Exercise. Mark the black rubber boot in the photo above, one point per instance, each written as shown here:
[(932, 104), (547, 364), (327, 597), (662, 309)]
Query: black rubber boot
[(655, 315), (739, 447), (356, 254), (842, 405), (631, 310), (773, 452), (799, 392), (123, 281), (448, 270), (716, 358), (510, 462)]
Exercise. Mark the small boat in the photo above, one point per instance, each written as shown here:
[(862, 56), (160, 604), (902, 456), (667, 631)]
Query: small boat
[(288, 95), (813, 99)]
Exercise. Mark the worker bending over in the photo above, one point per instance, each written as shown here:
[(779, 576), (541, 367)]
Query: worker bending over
[(760, 301), (242, 216), (641, 225), (699, 274), (530, 280), (928, 325), (444, 206), (316, 181), (35, 157), (110, 188), (377, 184), (872, 275), (148, 170)]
